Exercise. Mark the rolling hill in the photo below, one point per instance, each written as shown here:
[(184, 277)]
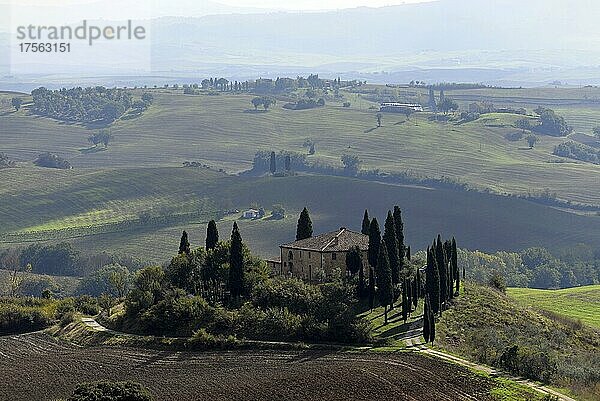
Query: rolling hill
[(581, 303)]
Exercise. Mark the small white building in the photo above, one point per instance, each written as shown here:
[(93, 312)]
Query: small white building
[(395, 107), (250, 214)]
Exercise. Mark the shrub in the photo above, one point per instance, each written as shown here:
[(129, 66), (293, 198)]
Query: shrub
[(497, 282), (110, 391), (51, 160), (16, 318)]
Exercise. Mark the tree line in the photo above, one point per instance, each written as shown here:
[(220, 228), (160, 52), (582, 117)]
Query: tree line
[(86, 105)]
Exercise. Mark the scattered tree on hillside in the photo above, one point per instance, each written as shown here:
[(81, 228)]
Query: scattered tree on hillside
[(257, 101), (447, 104), (304, 228), (273, 163), (351, 164), (366, 222), (212, 235), (236, 264), (16, 103), (287, 163), (184, 244), (385, 289), (523, 124), (51, 160), (374, 242), (552, 124), (379, 117), (101, 137), (596, 131), (531, 140)]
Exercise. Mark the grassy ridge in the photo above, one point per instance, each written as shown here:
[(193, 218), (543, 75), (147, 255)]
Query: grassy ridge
[(582, 303), (484, 324), (219, 130), (52, 200)]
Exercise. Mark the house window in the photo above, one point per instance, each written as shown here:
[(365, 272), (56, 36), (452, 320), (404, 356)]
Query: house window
[(334, 256), (290, 255)]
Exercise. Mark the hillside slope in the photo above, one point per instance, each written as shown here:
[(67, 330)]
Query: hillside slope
[(488, 327)]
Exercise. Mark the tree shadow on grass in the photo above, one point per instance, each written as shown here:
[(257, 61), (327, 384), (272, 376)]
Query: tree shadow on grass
[(370, 130), (252, 111)]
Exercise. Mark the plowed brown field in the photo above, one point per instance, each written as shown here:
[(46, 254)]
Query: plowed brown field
[(38, 367)]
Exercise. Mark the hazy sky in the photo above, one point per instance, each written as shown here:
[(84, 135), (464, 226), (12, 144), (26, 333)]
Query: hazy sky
[(278, 4), (315, 4)]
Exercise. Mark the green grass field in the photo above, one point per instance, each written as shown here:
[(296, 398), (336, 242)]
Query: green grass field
[(218, 130), (581, 303), (48, 204)]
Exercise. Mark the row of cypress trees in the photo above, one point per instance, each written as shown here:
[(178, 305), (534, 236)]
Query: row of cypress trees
[(442, 282), (235, 282)]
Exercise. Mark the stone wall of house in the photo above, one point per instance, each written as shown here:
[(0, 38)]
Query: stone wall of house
[(315, 266)]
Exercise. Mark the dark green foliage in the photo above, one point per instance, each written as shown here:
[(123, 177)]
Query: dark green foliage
[(23, 315), (442, 267), (415, 291), (371, 288), (59, 259), (287, 163), (405, 302), (391, 244), (16, 103), (365, 223), (51, 160), (374, 242), (385, 289), (236, 264), (578, 151), (273, 163), (304, 229), (361, 283), (551, 124), (87, 105), (454, 264), (426, 320), (112, 279), (184, 244), (399, 228), (432, 326), (354, 261), (408, 255), (447, 104), (110, 391), (432, 281), (212, 235)]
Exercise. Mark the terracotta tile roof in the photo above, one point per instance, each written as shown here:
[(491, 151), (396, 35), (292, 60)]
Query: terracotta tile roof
[(336, 241)]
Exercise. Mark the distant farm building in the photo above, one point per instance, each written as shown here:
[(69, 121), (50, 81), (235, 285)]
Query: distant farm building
[(251, 214), (321, 257), (393, 107)]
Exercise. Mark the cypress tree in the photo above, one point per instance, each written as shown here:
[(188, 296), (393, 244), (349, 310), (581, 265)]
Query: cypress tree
[(408, 256), (212, 235), (236, 263), (426, 316), (409, 292), (371, 288), (354, 260), (443, 271), (415, 291), (399, 227), (405, 304), (432, 281), (391, 244), (304, 229), (273, 166), (384, 280), (432, 327), (365, 223), (455, 265), (450, 269), (288, 163), (374, 242), (361, 283), (184, 244)]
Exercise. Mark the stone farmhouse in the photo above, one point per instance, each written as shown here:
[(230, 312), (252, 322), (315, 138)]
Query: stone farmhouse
[(321, 257)]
